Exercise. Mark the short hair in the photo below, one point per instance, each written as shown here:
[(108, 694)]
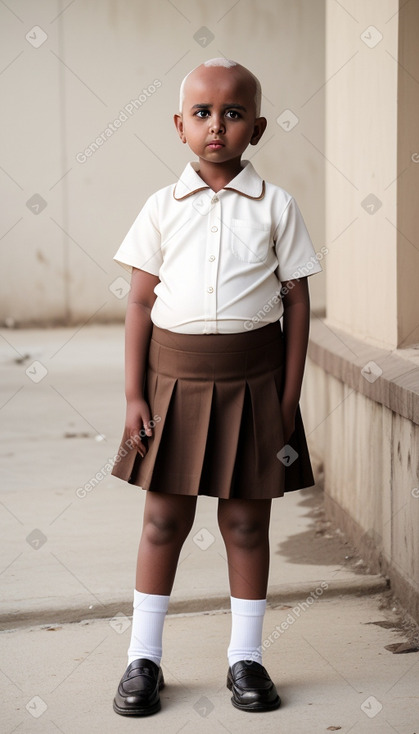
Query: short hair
[(228, 64)]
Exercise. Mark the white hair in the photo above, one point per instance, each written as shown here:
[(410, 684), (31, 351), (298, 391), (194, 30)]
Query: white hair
[(228, 64)]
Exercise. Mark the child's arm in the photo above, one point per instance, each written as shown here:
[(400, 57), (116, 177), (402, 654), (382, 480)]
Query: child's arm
[(296, 328), (138, 326)]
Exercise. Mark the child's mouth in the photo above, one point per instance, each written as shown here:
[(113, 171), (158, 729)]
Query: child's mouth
[(215, 145)]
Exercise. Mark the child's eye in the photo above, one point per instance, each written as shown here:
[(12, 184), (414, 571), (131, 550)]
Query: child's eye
[(202, 113), (233, 114)]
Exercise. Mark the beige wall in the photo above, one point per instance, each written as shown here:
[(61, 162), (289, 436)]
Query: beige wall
[(97, 57)]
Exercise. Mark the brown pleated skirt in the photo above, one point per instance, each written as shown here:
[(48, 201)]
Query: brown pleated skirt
[(215, 400)]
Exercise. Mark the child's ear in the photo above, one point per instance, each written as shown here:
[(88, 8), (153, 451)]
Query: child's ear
[(258, 130), (179, 127)]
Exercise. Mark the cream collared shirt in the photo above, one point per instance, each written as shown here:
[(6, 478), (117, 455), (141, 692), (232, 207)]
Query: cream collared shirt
[(220, 257)]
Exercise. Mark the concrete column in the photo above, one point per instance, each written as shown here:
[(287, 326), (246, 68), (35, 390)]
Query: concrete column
[(371, 216), (408, 182)]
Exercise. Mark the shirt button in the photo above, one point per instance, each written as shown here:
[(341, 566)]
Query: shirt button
[(214, 199), (210, 289), (214, 229), (211, 258)]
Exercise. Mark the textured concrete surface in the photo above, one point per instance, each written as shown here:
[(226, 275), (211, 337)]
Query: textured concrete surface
[(330, 666), (363, 426)]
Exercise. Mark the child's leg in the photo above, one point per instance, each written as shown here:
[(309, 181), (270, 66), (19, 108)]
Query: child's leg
[(244, 525), (167, 522)]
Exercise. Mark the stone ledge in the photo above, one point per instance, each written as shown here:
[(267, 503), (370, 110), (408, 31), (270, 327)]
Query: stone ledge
[(344, 356), (32, 614)]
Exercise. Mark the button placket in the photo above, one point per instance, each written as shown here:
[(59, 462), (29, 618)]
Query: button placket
[(211, 262)]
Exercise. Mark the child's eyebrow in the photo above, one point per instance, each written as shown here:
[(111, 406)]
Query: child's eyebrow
[(233, 105)]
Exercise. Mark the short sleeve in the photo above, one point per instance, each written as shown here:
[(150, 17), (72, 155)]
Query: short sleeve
[(293, 246), (141, 247)]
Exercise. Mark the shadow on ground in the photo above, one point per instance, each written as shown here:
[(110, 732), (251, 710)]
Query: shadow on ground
[(321, 544)]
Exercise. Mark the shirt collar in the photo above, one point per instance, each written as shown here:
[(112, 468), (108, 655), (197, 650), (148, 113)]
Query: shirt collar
[(247, 183)]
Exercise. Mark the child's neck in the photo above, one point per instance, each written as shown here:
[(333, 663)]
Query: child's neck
[(218, 175)]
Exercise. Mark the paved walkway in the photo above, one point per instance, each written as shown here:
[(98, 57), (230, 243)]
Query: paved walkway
[(68, 563)]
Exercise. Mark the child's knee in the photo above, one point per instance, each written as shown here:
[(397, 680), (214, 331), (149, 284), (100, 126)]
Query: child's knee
[(166, 529), (244, 533), (167, 520)]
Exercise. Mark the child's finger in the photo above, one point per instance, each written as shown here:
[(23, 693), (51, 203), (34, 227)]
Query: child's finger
[(136, 439), (142, 450)]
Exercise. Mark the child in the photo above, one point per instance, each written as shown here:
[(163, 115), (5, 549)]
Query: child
[(212, 383)]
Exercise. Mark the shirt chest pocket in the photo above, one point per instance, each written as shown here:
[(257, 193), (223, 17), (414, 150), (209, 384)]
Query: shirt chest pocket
[(249, 241)]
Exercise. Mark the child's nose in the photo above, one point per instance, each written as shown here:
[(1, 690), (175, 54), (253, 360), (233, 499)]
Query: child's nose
[(216, 124)]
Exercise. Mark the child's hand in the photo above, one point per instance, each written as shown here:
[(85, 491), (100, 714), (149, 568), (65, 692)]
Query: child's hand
[(137, 423)]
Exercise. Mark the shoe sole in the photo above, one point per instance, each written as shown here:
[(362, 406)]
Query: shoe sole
[(149, 711), (253, 707), (137, 712)]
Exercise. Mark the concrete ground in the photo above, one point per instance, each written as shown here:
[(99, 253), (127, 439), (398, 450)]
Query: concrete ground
[(67, 573), (330, 666)]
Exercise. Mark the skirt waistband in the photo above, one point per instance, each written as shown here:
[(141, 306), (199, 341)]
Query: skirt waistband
[(223, 343), (216, 356)]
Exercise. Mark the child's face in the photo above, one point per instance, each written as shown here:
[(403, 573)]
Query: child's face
[(218, 119)]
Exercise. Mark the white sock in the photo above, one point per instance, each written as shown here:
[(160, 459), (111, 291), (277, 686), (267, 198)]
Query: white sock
[(147, 626), (246, 630)]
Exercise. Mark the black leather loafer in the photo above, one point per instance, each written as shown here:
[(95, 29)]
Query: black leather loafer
[(252, 687), (138, 690)]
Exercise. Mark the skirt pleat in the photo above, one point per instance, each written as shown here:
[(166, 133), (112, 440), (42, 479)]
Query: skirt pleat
[(267, 429), (215, 400), (183, 428), (223, 440)]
